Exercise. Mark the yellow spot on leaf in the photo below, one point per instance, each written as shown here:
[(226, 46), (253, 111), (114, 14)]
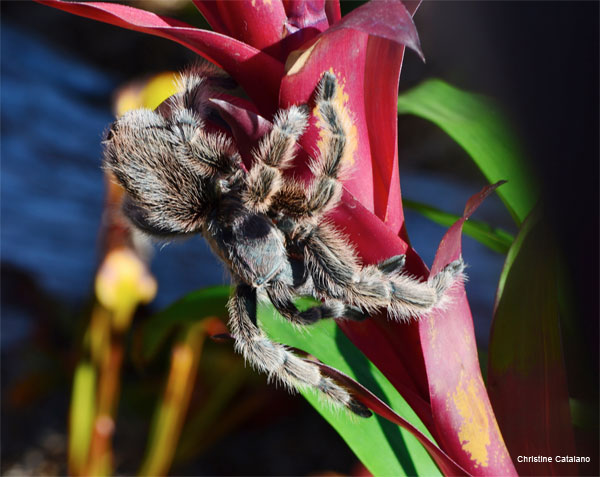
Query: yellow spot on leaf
[(474, 432), (297, 58)]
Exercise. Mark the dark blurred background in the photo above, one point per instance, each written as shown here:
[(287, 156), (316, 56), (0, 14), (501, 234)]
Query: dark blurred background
[(537, 60)]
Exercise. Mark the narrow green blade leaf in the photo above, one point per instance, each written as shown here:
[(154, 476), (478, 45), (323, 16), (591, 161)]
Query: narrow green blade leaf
[(200, 304), (473, 122), (494, 238), (384, 448)]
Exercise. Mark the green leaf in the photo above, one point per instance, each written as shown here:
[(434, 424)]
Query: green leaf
[(384, 448), (204, 303), (494, 238), (476, 125)]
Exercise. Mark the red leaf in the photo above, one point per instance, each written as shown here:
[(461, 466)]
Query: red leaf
[(332, 10), (526, 356), (308, 13), (275, 27), (359, 51), (257, 23), (210, 11), (246, 126), (382, 73), (387, 19), (392, 346), (344, 54), (257, 72), (462, 412), (305, 20)]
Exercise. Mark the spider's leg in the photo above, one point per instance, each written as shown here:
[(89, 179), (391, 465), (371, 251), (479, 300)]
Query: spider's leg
[(302, 202), (330, 261), (195, 86), (281, 297), (276, 360), (373, 287), (277, 148), (212, 155), (275, 152), (394, 264), (412, 298), (336, 273), (334, 152), (209, 154)]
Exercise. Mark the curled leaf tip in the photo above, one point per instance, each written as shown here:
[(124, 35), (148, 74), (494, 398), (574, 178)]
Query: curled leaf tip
[(475, 201), (387, 19)]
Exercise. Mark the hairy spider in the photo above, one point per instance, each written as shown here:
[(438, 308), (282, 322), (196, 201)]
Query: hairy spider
[(271, 231)]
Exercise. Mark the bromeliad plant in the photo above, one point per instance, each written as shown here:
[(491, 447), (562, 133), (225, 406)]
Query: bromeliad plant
[(422, 379)]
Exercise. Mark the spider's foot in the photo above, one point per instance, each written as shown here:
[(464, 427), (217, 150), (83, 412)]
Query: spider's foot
[(327, 86), (355, 314), (393, 264), (359, 408), (455, 268)]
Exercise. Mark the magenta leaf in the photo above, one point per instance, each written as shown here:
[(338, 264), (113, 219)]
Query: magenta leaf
[(368, 71), (275, 27), (257, 72), (475, 201), (382, 73), (332, 10), (257, 23), (210, 11), (463, 415), (247, 125), (313, 14), (298, 86), (388, 19)]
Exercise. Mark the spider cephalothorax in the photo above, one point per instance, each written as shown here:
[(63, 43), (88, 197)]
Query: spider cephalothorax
[(270, 230)]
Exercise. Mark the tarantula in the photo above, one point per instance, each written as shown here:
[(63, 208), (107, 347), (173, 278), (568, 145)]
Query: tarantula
[(270, 230)]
